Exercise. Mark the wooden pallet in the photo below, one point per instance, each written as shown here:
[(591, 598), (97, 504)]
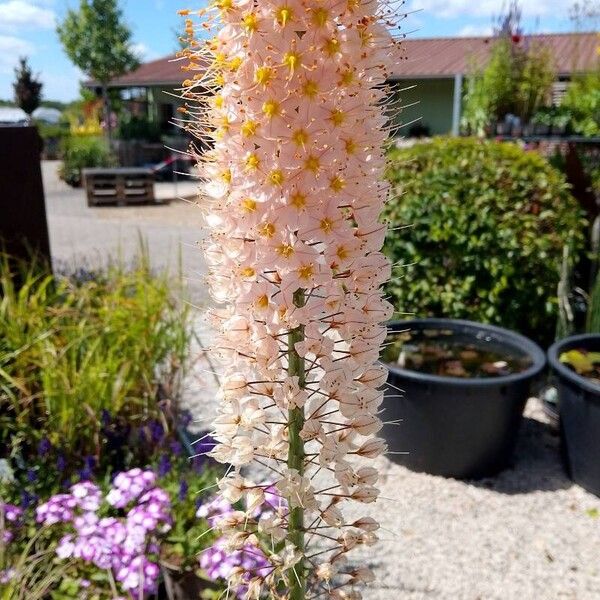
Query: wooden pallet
[(119, 186)]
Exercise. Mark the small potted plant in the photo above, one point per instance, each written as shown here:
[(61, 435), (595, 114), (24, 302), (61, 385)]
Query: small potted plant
[(463, 389), (576, 363)]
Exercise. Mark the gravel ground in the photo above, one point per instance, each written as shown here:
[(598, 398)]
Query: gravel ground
[(527, 534)]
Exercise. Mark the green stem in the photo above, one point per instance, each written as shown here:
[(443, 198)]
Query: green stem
[(296, 367)]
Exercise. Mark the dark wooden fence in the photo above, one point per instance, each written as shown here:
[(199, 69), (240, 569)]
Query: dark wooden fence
[(23, 226)]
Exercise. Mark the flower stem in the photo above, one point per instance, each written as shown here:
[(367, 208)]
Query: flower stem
[(296, 367)]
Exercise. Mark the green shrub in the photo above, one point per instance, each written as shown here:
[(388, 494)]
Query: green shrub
[(516, 80), (81, 152), (488, 222), (71, 350), (138, 128)]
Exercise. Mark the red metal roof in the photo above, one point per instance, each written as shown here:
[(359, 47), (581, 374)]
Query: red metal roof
[(446, 57), (431, 57)]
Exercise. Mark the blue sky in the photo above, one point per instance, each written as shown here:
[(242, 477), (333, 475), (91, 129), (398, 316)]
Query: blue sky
[(27, 27)]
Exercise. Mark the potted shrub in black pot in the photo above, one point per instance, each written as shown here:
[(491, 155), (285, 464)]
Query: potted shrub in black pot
[(576, 363), (458, 389)]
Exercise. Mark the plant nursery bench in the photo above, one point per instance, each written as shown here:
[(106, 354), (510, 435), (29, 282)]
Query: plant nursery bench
[(119, 186)]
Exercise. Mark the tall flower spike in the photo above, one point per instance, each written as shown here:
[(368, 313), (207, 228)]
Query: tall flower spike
[(287, 99)]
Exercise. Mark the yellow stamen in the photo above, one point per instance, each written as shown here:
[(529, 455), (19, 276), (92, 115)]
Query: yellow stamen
[(218, 101), (337, 184), (276, 177), (271, 108), (332, 46), (234, 64), (267, 230), (342, 252), (310, 88), (247, 272), (262, 302), (291, 60), (350, 146), (298, 200), (285, 250), (326, 225), (346, 78), (226, 176), (249, 205), (250, 22), (337, 117), (249, 128), (306, 272), (300, 137), (252, 162), (263, 75), (283, 15), (320, 16), (312, 163)]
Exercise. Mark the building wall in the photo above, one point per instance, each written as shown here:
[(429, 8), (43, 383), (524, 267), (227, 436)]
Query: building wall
[(432, 101), (162, 107)]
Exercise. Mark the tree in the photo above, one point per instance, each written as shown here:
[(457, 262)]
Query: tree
[(99, 43), (517, 78), (28, 89)]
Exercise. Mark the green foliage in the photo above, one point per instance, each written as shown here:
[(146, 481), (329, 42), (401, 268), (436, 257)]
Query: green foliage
[(28, 89), (138, 128), (593, 311), (97, 41), (516, 80), (71, 349), (582, 105), (488, 222), (81, 152)]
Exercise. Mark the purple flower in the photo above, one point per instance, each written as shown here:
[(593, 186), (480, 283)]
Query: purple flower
[(214, 510), (176, 448), (11, 515), (31, 476), (61, 463), (183, 490), (105, 418), (7, 575), (157, 431), (89, 463), (27, 499), (164, 465), (87, 495), (128, 486), (185, 418), (44, 447), (59, 509), (220, 564)]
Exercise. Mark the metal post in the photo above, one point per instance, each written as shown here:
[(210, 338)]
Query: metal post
[(457, 103)]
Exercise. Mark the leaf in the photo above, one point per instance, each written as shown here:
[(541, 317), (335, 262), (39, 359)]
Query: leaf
[(580, 361)]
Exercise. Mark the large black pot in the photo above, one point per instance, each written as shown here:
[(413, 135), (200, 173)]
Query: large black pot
[(454, 427), (579, 409)]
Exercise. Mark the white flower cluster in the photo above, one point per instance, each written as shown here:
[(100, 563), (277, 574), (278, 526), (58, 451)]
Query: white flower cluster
[(288, 99)]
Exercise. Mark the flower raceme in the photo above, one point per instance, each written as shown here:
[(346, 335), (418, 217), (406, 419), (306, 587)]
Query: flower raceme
[(287, 98)]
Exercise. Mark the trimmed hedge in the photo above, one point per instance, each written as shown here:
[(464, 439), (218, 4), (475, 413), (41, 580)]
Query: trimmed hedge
[(488, 222)]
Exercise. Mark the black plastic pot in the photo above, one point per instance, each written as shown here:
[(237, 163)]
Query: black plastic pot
[(454, 427), (579, 409)]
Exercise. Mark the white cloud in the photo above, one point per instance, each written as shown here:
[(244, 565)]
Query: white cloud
[(143, 52), (10, 49), (20, 14), (488, 8), (475, 31)]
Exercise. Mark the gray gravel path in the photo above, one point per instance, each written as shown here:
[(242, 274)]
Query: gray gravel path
[(527, 534)]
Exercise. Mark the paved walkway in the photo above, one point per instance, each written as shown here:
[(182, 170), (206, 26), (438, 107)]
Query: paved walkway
[(83, 236)]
